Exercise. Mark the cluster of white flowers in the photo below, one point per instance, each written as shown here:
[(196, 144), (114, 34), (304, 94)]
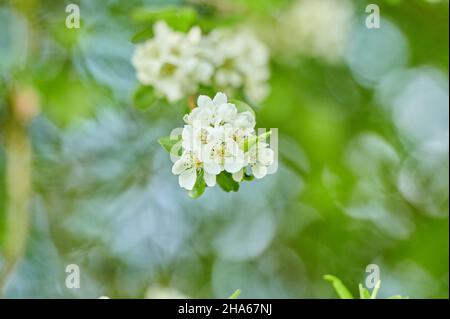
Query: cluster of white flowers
[(321, 28), (176, 63), (171, 62), (240, 61), (216, 139)]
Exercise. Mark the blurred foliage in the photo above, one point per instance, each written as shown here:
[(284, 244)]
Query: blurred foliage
[(363, 147)]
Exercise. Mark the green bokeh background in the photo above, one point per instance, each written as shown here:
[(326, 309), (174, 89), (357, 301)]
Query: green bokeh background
[(362, 178)]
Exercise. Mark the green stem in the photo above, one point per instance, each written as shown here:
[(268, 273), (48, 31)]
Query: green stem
[(19, 154), (18, 187)]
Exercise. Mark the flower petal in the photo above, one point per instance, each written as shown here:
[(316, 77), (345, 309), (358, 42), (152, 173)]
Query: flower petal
[(259, 171), (194, 34), (187, 179), (233, 165), (161, 28), (220, 98), (245, 120), (226, 112), (204, 101), (212, 167), (210, 179), (265, 156), (178, 167)]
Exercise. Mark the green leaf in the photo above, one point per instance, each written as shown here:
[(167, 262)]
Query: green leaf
[(227, 183), (171, 144), (211, 21), (243, 107), (144, 97), (375, 290), (340, 288), (235, 294), (199, 187), (79, 98), (143, 35), (178, 18), (363, 292)]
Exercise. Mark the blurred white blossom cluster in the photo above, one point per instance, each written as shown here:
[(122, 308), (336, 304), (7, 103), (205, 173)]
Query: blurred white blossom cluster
[(217, 139), (317, 28), (175, 64), (240, 61)]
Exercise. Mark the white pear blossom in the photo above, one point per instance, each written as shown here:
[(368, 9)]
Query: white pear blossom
[(223, 152), (210, 111), (176, 63), (244, 127), (321, 28), (260, 157), (187, 167), (195, 137), (245, 120), (214, 141), (171, 62), (240, 60)]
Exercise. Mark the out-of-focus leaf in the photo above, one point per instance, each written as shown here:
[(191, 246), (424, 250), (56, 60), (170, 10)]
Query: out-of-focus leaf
[(340, 288), (142, 35), (199, 187), (66, 37), (293, 155), (235, 294), (13, 52), (66, 99), (98, 57), (179, 18), (363, 292), (227, 183), (144, 97), (171, 144), (208, 24)]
